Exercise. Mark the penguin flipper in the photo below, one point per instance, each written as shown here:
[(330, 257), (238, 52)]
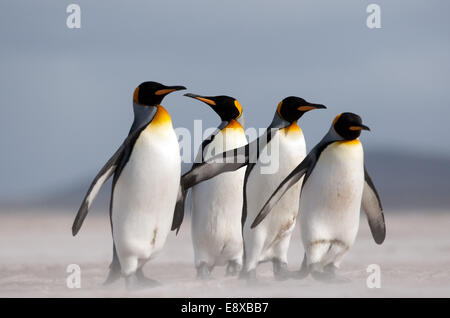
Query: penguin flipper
[(200, 158), (230, 160), (105, 173), (285, 185), (371, 205), (227, 161), (178, 215), (143, 117)]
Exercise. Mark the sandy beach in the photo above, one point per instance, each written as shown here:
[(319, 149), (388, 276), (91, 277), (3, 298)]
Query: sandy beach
[(36, 248)]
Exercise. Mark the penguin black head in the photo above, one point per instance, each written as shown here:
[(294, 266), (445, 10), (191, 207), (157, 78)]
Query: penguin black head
[(292, 108), (152, 93), (349, 126), (228, 108)]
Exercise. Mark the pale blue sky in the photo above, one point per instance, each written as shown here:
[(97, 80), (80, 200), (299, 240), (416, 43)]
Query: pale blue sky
[(65, 95)]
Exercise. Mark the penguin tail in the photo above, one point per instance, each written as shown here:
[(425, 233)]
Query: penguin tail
[(178, 215), (114, 269)]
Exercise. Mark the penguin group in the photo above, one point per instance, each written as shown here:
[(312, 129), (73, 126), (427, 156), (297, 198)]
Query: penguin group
[(242, 214)]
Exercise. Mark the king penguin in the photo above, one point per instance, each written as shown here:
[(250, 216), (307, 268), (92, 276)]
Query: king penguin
[(217, 203), (146, 169), (335, 186), (281, 145)]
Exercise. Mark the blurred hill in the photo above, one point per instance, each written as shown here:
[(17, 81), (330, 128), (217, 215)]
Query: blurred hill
[(404, 182)]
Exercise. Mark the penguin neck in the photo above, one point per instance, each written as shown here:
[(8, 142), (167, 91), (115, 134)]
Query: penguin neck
[(234, 124), (142, 114), (293, 128), (241, 120), (352, 142), (278, 122), (162, 118), (331, 136), (142, 111)]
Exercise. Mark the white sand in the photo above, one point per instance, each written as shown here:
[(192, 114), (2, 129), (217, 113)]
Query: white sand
[(35, 249)]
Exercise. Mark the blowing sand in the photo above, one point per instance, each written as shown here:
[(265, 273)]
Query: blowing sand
[(36, 248)]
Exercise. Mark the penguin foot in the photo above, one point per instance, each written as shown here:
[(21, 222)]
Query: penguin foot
[(242, 274), (300, 274), (114, 270), (113, 276), (203, 271), (233, 268), (337, 279), (328, 276), (319, 273), (280, 270), (322, 276), (139, 281), (303, 272), (330, 268), (340, 280), (250, 277)]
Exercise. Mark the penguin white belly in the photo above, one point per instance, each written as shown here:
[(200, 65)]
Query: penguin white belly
[(270, 239), (331, 200), (217, 208), (145, 196)]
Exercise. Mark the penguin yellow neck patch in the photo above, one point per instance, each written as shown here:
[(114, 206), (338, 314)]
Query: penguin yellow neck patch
[(234, 124), (161, 119), (354, 142), (292, 128)]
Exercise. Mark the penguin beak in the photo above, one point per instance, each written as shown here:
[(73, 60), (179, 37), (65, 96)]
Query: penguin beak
[(204, 99), (169, 89), (311, 106), (359, 127)]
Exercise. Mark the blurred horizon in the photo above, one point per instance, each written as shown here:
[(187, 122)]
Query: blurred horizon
[(66, 93), (426, 188)]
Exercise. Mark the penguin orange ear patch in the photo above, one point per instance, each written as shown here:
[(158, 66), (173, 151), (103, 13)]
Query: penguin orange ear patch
[(238, 106), (336, 119), (164, 91), (136, 95), (279, 108)]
